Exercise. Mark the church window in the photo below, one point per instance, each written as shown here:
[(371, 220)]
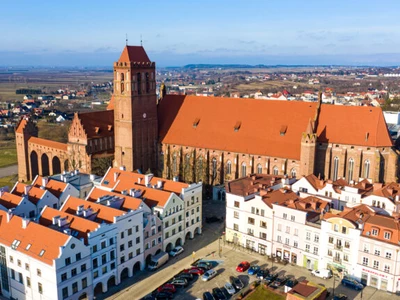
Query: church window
[(122, 87), (244, 173), (351, 170), (214, 167), (139, 83), (122, 76), (174, 163), (293, 173), (147, 83), (228, 167), (366, 168), (259, 168), (275, 170), (335, 168), (200, 168)]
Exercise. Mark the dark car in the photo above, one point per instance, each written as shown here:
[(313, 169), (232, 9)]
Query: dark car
[(270, 277), (187, 276), (279, 281), (214, 219), (253, 270), (163, 295), (340, 297), (291, 282), (237, 283), (352, 283), (262, 274), (218, 294), (208, 296), (199, 263)]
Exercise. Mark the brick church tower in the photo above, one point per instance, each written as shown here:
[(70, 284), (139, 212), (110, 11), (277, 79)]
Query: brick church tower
[(25, 130), (135, 111)]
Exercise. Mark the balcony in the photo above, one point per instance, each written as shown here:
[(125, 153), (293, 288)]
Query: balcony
[(338, 247), (337, 260)]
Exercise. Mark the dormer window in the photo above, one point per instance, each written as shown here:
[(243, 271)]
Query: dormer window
[(237, 126), (387, 235), (196, 122), (42, 253), (283, 130), (375, 232)]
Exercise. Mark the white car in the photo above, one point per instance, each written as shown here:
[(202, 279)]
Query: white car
[(322, 273), (208, 275), (229, 288), (177, 250)]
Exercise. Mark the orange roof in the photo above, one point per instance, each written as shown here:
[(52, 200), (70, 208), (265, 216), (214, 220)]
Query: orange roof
[(81, 225), (384, 224), (48, 143), (102, 212), (53, 186), (353, 125), (153, 197), (21, 126), (38, 236), (134, 54), (9, 200), (130, 203), (258, 124), (110, 105), (100, 119), (34, 194)]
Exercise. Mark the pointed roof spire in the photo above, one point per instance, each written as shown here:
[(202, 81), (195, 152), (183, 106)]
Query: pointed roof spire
[(134, 54), (310, 127)]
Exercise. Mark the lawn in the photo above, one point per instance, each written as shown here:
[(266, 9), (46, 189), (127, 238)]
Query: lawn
[(8, 181), (262, 293), (8, 154)]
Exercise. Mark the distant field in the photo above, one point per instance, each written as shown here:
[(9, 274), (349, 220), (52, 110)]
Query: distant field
[(8, 181), (8, 153), (254, 86)]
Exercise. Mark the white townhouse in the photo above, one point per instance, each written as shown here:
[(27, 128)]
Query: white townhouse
[(33, 259), (18, 205), (59, 188), (128, 224)]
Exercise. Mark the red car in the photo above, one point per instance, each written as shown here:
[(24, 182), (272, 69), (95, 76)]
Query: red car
[(243, 266), (167, 288), (194, 270)]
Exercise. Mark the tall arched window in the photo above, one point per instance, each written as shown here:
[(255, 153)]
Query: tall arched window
[(259, 169), (200, 168), (214, 167), (147, 83), (139, 83), (293, 173), (244, 172), (174, 164), (351, 170), (122, 87), (122, 76), (335, 168), (228, 167), (366, 168), (275, 170)]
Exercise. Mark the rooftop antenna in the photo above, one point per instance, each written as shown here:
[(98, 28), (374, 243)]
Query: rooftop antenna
[(126, 38), (141, 41)]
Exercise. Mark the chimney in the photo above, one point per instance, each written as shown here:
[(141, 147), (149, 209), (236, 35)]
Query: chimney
[(124, 192), (10, 214), (176, 178), (55, 220), (76, 172), (45, 180), (115, 176), (147, 179), (92, 177), (62, 222), (139, 180), (159, 184), (27, 188), (25, 223), (122, 168), (88, 212)]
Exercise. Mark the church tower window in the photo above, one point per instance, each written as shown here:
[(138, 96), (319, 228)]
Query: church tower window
[(174, 163), (275, 170), (259, 168), (139, 83), (366, 168), (244, 173), (147, 83), (335, 168), (229, 167), (293, 173), (214, 168), (351, 170)]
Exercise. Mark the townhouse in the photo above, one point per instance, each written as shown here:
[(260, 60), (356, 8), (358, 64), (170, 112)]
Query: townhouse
[(60, 189), (18, 205), (33, 259)]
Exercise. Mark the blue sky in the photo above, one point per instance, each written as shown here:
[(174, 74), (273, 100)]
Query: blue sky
[(178, 32)]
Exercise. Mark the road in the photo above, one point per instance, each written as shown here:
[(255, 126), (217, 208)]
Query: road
[(8, 171)]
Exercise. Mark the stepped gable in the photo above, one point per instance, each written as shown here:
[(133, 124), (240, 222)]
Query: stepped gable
[(21, 126), (235, 124), (97, 124), (353, 125), (134, 54), (39, 237)]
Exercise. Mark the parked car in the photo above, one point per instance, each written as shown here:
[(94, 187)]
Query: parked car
[(194, 270), (270, 277), (214, 219), (291, 282), (177, 250), (243, 266), (208, 275), (253, 270), (279, 281), (322, 273), (229, 288), (202, 262), (163, 295), (237, 283), (167, 288), (187, 276), (262, 274), (352, 283), (340, 297), (204, 266), (179, 282), (208, 296), (218, 294)]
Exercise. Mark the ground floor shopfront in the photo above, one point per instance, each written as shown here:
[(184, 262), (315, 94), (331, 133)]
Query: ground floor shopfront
[(309, 262), (241, 239), (379, 280)]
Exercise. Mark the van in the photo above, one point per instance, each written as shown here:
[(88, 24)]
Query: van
[(158, 260), (322, 273)]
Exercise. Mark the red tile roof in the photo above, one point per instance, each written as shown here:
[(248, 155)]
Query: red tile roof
[(53, 186), (38, 236), (353, 125), (48, 143), (134, 54), (101, 119), (260, 123), (34, 194), (130, 203), (9, 200)]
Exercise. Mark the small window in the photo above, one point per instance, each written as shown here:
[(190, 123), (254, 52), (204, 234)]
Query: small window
[(237, 204), (387, 235), (42, 252)]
